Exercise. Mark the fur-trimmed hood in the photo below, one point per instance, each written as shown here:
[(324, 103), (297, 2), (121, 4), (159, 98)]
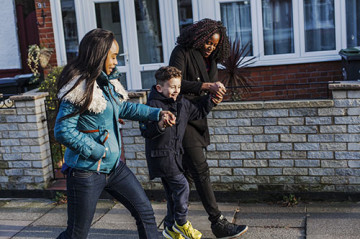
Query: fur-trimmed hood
[(98, 104)]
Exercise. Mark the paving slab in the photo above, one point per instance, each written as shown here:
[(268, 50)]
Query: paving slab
[(274, 233), (333, 220), (25, 209), (8, 228), (38, 232), (271, 215), (58, 215)]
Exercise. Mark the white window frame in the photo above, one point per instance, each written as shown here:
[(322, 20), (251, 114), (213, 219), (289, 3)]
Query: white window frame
[(299, 55), (85, 17)]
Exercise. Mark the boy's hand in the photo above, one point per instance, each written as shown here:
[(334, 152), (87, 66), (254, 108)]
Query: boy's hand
[(167, 119), (217, 98)]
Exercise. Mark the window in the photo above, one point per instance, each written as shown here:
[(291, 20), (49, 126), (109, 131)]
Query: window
[(353, 22), (112, 23), (149, 31), (185, 13), (70, 29), (278, 28), (292, 31), (319, 25), (236, 16)]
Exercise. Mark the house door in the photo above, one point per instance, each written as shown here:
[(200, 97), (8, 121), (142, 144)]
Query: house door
[(138, 30)]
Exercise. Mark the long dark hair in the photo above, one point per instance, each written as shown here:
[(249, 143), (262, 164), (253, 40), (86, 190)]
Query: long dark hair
[(195, 36), (89, 63)]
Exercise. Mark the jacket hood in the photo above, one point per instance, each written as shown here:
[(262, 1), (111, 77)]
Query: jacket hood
[(98, 104), (155, 95)]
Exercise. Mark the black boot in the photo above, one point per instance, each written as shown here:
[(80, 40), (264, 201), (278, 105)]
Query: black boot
[(224, 229)]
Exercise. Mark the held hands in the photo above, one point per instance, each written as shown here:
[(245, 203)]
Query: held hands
[(217, 91), (216, 98), (167, 119), (217, 88)]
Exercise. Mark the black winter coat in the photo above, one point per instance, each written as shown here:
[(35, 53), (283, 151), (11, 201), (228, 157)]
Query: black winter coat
[(163, 148), (193, 68)]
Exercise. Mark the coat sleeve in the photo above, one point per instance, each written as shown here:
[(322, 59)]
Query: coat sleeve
[(178, 60), (139, 112), (150, 129), (201, 108), (66, 133)]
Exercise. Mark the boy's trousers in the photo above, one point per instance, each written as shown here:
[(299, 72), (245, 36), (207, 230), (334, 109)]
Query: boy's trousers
[(177, 196)]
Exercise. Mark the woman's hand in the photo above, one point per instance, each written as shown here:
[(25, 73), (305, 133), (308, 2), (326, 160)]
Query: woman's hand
[(216, 88), (167, 119)]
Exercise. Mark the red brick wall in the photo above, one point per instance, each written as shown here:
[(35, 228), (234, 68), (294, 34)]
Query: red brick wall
[(296, 81), (46, 33)]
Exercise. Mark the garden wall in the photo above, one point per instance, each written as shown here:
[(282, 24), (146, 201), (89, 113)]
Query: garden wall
[(25, 161), (294, 146)]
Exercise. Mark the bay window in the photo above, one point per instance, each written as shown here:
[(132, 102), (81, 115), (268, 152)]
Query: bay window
[(292, 31)]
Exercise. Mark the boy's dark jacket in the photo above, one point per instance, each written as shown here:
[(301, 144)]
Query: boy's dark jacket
[(164, 147)]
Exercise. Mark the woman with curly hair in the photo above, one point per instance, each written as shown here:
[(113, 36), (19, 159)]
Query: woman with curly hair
[(200, 47)]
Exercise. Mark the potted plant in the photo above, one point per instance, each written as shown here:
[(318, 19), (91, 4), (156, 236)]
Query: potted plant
[(36, 55), (234, 73)]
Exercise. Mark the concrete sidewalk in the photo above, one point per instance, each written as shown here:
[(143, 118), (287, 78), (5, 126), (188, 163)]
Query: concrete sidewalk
[(40, 218)]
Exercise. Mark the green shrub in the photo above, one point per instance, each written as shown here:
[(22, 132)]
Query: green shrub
[(49, 84)]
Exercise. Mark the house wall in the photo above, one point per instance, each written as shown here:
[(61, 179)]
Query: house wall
[(296, 81), (46, 32), (9, 44)]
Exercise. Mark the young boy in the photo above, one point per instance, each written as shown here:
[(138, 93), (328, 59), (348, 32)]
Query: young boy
[(164, 150)]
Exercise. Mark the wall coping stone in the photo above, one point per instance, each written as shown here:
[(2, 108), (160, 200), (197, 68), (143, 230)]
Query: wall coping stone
[(137, 94), (27, 96), (276, 104), (345, 85)]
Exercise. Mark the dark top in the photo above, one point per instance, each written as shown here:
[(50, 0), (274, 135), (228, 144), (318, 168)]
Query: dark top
[(163, 147), (194, 71)]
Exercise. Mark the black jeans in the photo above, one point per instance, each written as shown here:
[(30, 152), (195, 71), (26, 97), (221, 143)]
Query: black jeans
[(177, 196), (195, 162), (84, 189)]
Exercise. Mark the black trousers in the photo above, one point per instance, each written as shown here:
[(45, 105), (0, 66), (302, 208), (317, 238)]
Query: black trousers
[(195, 163)]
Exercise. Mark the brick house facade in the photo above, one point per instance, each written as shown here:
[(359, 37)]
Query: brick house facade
[(269, 82)]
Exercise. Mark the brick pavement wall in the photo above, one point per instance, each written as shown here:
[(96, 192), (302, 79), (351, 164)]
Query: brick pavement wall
[(25, 159), (293, 146)]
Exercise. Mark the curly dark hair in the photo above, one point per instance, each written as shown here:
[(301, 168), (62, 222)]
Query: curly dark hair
[(195, 36)]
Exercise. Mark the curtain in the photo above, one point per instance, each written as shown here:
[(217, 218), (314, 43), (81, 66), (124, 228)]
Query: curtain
[(236, 17), (149, 31), (278, 27), (353, 22), (319, 25)]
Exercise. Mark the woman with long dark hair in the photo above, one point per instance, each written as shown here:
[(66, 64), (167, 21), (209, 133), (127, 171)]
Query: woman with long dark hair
[(200, 47), (91, 102)]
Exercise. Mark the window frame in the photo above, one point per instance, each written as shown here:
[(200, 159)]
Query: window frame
[(299, 55)]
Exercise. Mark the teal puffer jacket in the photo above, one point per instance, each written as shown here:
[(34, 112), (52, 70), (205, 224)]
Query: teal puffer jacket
[(83, 134)]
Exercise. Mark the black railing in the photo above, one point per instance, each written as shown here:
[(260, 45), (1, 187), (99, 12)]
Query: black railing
[(57, 149), (5, 102)]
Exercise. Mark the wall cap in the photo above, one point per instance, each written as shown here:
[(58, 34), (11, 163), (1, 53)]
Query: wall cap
[(274, 104), (27, 96), (344, 85)]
